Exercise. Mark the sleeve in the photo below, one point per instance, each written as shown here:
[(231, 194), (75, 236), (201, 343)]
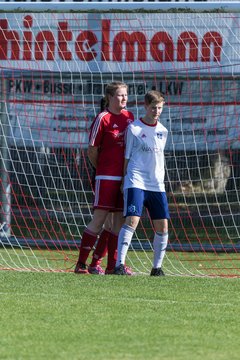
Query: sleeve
[(96, 131), (165, 133), (128, 142)]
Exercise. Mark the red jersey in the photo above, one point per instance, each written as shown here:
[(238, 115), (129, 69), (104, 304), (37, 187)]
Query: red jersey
[(107, 133)]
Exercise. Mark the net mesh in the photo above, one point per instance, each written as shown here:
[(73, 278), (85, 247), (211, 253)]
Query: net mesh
[(54, 68)]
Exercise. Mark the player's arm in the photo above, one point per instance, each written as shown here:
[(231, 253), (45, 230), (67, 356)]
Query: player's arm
[(128, 146), (95, 139), (92, 153), (129, 140), (124, 172), (125, 166)]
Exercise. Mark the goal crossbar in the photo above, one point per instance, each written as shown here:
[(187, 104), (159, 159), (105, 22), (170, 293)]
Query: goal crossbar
[(111, 6)]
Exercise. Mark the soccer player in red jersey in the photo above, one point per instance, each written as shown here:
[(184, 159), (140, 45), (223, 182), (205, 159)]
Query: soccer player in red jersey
[(106, 154), (102, 243)]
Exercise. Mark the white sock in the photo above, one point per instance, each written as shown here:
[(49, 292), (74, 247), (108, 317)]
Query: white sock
[(124, 240), (159, 245)]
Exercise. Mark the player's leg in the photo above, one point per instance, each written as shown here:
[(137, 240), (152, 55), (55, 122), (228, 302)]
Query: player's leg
[(101, 247), (117, 223), (89, 238), (102, 206), (158, 209), (160, 242), (117, 209), (133, 205)]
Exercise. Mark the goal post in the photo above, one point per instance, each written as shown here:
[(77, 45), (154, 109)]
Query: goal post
[(55, 61), (4, 165)]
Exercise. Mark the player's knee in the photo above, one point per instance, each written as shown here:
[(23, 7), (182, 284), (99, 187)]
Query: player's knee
[(132, 221)]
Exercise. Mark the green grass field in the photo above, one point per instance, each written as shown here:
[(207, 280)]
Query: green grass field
[(66, 316)]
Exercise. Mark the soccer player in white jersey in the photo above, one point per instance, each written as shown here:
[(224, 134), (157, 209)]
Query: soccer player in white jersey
[(144, 182)]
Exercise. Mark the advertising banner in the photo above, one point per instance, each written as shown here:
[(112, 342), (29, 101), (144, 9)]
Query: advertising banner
[(59, 65), (108, 43), (198, 113)]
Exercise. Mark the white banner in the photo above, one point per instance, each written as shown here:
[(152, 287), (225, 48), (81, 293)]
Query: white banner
[(184, 43)]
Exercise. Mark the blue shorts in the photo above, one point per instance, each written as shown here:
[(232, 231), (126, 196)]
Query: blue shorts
[(155, 201)]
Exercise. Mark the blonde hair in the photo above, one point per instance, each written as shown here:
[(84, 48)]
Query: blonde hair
[(111, 89), (153, 96)]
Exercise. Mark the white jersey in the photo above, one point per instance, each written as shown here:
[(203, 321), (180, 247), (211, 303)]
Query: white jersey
[(145, 151)]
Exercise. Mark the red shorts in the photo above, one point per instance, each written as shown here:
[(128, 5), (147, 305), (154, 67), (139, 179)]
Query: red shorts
[(108, 195)]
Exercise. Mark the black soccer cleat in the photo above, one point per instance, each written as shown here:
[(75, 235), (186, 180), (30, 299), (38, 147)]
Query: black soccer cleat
[(157, 272), (81, 268), (122, 270)]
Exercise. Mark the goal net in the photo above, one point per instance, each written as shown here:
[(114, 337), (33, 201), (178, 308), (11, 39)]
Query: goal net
[(54, 66)]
